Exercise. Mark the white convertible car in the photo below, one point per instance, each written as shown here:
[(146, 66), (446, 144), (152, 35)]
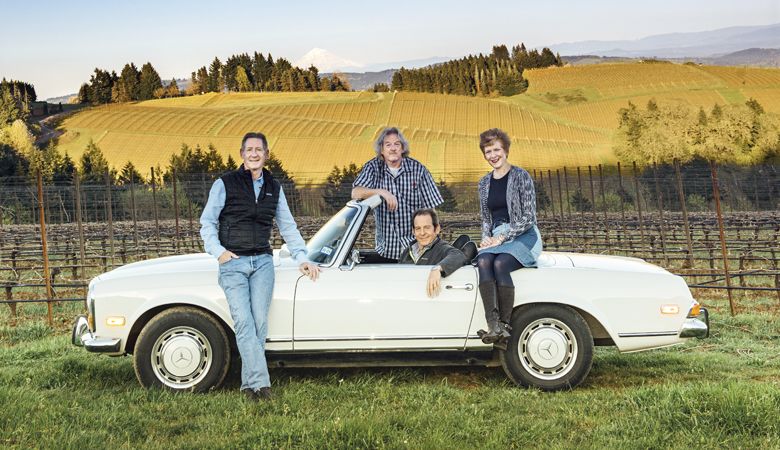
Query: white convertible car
[(171, 315)]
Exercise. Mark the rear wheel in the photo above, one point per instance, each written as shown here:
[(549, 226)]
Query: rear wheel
[(182, 348), (551, 348)]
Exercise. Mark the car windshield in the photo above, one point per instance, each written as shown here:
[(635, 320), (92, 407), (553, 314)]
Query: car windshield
[(322, 247)]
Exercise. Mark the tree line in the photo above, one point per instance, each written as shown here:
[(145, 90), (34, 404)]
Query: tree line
[(258, 73), (239, 73), (499, 73), (131, 84)]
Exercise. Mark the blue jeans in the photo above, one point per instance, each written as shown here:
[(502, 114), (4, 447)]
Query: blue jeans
[(248, 283)]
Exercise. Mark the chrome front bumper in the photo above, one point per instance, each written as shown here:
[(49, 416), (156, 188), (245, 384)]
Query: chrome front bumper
[(696, 327), (83, 337)]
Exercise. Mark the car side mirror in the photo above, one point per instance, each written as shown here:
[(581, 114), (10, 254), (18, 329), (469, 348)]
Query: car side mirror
[(284, 252), (354, 258)]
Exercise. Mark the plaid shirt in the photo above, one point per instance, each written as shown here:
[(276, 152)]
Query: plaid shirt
[(413, 187)]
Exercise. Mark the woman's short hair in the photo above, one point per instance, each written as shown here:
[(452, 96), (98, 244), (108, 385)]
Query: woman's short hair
[(492, 135), (254, 135), (426, 212), (380, 141)]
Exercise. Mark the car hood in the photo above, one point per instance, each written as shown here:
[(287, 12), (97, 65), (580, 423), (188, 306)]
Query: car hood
[(615, 263), (195, 262)]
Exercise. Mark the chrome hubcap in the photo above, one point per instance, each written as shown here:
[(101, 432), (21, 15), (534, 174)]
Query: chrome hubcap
[(181, 357), (547, 349)]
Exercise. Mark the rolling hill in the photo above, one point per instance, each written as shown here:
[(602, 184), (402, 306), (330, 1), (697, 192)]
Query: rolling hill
[(566, 118)]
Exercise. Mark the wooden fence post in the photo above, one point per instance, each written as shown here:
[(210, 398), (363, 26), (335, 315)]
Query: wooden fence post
[(110, 217), (724, 251), (176, 208), (46, 275), (154, 209)]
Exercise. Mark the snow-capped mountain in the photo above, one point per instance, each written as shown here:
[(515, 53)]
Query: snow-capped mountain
[(326, 61)]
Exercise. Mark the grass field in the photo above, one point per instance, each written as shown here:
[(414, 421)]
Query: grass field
[(723, 392), (566, 118)]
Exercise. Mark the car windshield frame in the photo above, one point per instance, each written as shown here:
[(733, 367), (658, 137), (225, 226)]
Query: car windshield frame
[(324, 246)]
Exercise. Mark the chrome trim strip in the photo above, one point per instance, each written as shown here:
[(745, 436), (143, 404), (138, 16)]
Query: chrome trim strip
[(648, 334), (379, 338)]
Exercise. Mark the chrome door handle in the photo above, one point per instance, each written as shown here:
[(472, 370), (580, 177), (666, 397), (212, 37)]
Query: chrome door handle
[(467, 287)]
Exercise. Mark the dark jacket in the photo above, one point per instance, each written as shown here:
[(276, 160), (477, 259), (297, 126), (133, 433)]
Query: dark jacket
[(245, 222), (439, 253)]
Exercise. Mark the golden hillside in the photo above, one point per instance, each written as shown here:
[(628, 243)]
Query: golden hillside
[(566, 118)]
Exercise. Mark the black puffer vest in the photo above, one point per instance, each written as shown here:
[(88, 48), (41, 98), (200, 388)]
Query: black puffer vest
[(245, 223)]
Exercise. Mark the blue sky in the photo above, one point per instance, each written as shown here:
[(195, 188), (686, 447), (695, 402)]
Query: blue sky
[(56, 45)]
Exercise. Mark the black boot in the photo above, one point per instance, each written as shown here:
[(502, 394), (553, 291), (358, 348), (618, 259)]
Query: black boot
[(487, 291), (506, 302)]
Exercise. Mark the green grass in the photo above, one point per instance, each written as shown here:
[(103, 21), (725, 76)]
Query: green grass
[(720, 392)]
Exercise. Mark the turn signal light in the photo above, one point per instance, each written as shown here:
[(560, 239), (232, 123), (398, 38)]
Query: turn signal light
[(116, 321), (670, 309), (695, 310)]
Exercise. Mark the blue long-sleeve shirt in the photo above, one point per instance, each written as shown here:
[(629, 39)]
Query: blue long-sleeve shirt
[(209, 222)]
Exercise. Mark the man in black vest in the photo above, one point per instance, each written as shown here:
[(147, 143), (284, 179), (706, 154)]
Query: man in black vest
[(236, 228)]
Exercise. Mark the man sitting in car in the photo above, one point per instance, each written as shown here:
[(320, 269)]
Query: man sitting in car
[(429, 249)]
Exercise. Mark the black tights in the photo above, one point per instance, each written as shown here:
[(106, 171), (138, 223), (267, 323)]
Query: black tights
[(497, 268)]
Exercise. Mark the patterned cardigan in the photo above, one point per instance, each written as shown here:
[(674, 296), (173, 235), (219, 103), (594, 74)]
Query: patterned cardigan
[(520, 199)]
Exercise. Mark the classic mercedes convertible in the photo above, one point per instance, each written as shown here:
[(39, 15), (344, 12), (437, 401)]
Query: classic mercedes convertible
[(171, 314)]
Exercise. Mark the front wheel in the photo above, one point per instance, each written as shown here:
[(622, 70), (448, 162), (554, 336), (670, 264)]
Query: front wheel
[(181, 349), (551, 348)]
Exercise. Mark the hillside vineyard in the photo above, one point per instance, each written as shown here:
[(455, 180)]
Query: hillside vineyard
[(566, 118)]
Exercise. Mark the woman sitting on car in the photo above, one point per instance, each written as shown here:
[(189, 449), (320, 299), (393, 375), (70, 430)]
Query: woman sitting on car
[(510, 238)]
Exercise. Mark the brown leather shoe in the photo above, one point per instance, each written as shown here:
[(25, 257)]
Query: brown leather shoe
[(264, 393), (251, 395), (257, 395)]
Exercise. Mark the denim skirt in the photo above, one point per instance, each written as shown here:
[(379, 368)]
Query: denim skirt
[(526, 248)]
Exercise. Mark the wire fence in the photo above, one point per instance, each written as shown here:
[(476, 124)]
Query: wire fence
[(660, 214)]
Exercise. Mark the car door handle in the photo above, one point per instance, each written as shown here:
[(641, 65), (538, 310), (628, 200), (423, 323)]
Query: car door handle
[(467, 286)]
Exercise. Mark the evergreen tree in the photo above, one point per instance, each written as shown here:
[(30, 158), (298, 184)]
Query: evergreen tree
[(450, 204), (380, 87), (213, 160), (215, 76), (84, 93), (64, 170), (10, 161), (261, 71), (149, 82), (510, 83), (128, 85), (580, 202), (500, 52), (173, 89), (274, 165), (242, 83), (10, 109), (128, 170), (313, 76), (93, 165), (542, 199), (231, 163), (338, 185), (101, 84)]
